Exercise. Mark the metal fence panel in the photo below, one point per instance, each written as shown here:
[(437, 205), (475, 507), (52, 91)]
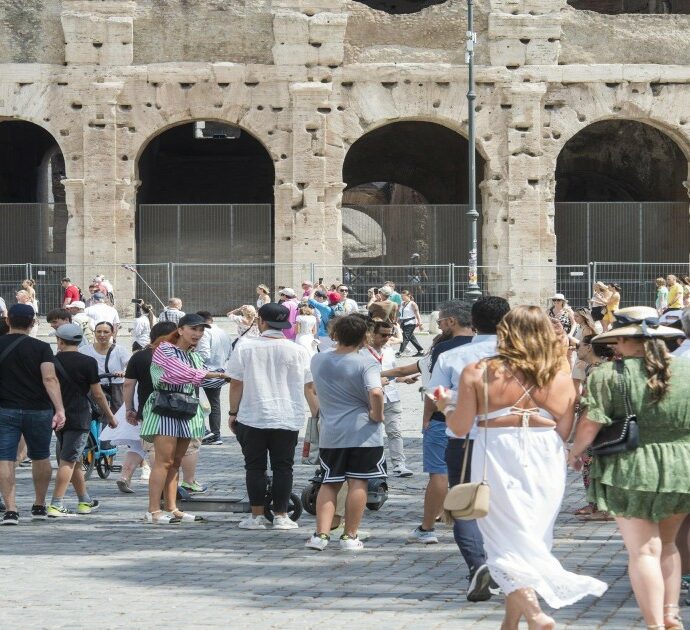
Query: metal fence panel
[(637, 280), (33, 232)]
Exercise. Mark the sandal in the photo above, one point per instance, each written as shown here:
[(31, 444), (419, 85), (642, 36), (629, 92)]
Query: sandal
[(676, 621), (587, 509), (598, 516), (159, 517), (188, 517)]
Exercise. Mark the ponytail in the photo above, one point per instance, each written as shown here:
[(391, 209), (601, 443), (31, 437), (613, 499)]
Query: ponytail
[(658, 367)]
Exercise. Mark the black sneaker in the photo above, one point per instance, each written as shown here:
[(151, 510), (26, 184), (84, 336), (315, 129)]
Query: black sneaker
[(10, 518), (39, 513), (478, 590), (419, 354), (3, 507), (211, 438)]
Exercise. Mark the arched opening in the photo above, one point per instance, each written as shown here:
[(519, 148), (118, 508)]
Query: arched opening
[(620, 198), (33, 215), (407, 190), (400, 6), (206, 204), (616, 7)]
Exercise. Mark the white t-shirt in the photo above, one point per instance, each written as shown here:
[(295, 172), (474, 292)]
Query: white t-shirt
[(141, 331), (116, 363), (350, 306), (274, 372), (390, 391), (100, 312), (450, 364)]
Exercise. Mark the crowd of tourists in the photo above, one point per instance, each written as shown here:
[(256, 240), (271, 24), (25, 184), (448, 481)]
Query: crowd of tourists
[(512, 394)]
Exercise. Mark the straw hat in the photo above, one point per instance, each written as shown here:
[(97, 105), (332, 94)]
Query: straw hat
[(641, 322), (558, 296)]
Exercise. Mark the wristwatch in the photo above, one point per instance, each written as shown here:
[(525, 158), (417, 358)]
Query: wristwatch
[(232, 413)]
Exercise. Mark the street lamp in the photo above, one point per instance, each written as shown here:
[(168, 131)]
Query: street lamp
[(473, 290)]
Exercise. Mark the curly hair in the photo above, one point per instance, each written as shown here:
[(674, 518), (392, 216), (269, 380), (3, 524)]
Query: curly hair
[(658, 367), (527, 342)]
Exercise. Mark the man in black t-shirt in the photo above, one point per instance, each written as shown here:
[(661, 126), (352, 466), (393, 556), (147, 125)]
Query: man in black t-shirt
[(78, 375), (30, 406), (454, 318)]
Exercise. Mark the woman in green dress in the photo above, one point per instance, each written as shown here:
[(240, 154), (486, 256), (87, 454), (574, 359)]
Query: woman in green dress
[(646, 489)]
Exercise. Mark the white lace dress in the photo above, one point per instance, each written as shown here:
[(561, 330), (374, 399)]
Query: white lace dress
[(305, 336), (526, 472)]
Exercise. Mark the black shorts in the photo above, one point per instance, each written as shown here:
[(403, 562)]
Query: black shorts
[(598, 313), (363, 462), (70, 444)]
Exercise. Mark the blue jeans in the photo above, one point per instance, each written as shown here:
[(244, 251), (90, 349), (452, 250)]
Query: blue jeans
[(434, 443), (36, 425), (467, 536)]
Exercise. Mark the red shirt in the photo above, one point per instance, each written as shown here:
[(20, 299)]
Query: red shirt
[(72, 292)]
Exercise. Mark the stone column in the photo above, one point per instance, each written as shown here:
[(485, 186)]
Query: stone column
[(308, 227)]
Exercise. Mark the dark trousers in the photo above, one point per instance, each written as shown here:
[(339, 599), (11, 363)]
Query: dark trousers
[(256, 444), (409, 337), (213, 395), (467, 536)]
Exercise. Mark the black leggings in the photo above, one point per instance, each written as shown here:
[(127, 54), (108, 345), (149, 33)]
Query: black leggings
[(409, 337), (256, 444)]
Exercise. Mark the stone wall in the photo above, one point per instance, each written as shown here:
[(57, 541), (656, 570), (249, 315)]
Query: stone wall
[(307, 78)]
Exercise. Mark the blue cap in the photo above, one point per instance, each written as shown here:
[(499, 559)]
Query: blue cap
[(21, 310)]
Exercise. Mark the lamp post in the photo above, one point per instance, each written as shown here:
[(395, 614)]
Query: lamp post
[(473, 290)]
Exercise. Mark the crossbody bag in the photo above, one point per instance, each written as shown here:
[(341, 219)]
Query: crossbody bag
[(469, 501), (176, 405), (623, 434)]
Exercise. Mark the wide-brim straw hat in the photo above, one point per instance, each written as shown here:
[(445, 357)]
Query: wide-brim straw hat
[(640, 322)]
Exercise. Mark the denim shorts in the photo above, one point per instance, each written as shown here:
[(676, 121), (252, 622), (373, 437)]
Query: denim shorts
[(36, 425), (434, 443)]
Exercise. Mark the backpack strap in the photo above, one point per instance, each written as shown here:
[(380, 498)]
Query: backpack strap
[(107, 357), (11, 347)]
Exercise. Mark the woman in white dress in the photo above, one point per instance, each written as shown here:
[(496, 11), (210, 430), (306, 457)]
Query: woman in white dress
[(263, 296), (25, 296), (530, 414), (141, 331), (305, 328)]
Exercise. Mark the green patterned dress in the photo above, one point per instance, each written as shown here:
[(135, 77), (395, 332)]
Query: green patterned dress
[(653, 481)]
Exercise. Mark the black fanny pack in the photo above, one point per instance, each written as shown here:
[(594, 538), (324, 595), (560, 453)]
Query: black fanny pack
[(175, 404)]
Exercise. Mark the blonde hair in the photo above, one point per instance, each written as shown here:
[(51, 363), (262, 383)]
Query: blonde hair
[(248, 311), (661, 282), (657, 363), (527, 342), (305, 309)]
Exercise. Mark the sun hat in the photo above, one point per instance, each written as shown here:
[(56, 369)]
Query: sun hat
[(275, 315), (558, 296), (640, 322), (70, 332), (385, 291), (76, 304), (288, 292)]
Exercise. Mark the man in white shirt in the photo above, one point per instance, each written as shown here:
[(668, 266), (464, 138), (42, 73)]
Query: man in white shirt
[(684, 349), (349, 305), (271, 378), (384, 356), (487, 313), (101, 312), (215, 348)]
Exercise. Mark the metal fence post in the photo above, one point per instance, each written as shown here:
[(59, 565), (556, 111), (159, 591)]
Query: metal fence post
[(589, 278), (168, 267), (451, 281), (29, 271), (171, 284), (594, 274)]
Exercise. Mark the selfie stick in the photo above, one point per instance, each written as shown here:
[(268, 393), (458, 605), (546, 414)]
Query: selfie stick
[(133, 269)]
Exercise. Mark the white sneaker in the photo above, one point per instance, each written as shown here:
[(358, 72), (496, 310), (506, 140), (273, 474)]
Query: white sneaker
[(402, 471), (347, 543), (317, 542), (251, 522), (284, 522), (340, 530), (145, 473), (426, 538)]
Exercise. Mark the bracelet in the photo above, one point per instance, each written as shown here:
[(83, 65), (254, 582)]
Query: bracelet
[(232, 413)]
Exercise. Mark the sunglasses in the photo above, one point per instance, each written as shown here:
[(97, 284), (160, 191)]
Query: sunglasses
[(385, 334), (343, 290)]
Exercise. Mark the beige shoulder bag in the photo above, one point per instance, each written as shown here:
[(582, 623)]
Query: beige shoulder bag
[(469, 501)]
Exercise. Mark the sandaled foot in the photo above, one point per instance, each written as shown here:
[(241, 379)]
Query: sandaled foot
[(159, 517), (587, 509), (541, 622), (188, 517), (597, 516), (672, 617)]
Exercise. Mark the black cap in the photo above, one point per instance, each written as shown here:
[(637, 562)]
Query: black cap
[(192, 320), (275, 315)]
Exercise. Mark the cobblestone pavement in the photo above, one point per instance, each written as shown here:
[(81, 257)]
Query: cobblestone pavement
[(111, 570)]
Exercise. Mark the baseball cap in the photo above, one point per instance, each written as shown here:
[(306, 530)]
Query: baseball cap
[(21, 310), (70, 332), (192, 320), (76, 304), (385, 291), (275, 315), (321, 293), (288, 292)]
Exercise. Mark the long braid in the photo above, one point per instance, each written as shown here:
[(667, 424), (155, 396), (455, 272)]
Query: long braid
[(658, 366)]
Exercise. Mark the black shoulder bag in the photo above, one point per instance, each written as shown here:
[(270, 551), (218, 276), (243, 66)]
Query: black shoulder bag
[(624, 434), (175, 404)]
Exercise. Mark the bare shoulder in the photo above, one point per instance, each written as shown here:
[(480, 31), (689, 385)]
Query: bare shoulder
[(562, 386)]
